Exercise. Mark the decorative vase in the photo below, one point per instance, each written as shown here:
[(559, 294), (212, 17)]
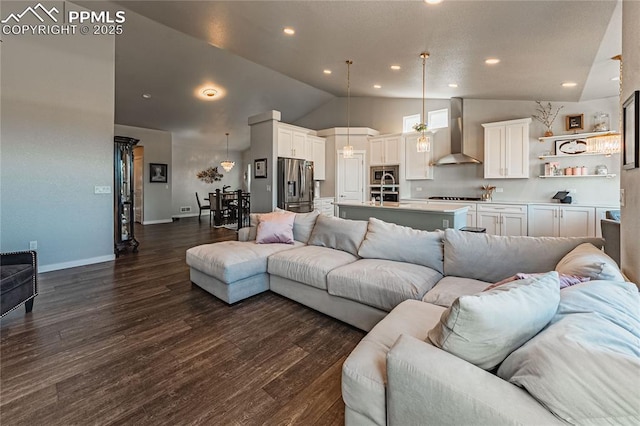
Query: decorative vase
[(548, 133)]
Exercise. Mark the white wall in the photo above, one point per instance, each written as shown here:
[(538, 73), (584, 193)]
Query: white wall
[(630, 179), (386, 115), (57, 113), (190, 157), (157, 149)]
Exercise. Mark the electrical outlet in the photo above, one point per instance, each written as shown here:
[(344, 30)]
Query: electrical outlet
[(33, 245), (621, 197), (102, 189), (268, 188), (445, 223), (499, 189), (419, 189)]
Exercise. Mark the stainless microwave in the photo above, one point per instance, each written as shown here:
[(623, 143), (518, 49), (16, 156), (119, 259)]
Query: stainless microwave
[(378, 171)]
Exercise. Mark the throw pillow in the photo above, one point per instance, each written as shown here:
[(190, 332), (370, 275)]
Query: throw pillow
[(585, 366), (485, 328), (303, 225), (565, 280), (588, 261), (403, 244), (275, 228), (339, 234)]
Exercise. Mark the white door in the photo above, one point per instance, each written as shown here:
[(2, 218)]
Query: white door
[(577, 222), (517, 151), (494, 140), (489, 220), (543, 221), (350, 178), (513, 224), (138, 183)]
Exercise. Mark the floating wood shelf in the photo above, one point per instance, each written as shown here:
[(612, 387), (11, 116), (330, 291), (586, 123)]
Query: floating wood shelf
[(609, 176)]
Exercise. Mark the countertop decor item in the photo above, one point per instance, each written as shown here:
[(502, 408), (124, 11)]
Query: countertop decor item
[(545, 115), (488, 192)]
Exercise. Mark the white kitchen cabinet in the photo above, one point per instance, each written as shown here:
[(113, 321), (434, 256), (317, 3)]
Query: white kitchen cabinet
[(318, 152), (561, 221), (291, 143), (324, 205), (502, 219), (506, 149), (385, 150), (417, 165)]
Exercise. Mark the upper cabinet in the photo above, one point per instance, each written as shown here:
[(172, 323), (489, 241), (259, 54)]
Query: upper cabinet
[(318, 153), (294, 142), (417, 165), (506, 149), (385, 150), (291, 144)]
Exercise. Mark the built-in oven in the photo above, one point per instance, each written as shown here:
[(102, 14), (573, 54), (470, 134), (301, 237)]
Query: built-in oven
[(389, 189)]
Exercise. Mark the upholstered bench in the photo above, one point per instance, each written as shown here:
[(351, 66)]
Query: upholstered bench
[(19, 281), (233, 270)]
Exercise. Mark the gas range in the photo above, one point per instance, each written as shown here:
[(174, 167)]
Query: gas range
[(456, 198)]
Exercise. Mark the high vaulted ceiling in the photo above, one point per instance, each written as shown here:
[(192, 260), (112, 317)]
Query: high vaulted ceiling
[(541, 44)]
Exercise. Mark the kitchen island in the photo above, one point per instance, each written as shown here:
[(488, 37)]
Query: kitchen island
[(426, 217)]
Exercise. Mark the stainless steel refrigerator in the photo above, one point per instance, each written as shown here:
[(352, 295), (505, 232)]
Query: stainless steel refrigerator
[(295, 185)]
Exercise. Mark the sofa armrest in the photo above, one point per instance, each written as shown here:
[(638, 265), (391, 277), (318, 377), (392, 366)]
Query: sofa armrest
[(427, 385), (245, 234), (28, 257)]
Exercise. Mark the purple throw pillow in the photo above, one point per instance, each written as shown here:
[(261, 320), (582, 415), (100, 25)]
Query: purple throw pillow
[(565, 280), (275, 229)]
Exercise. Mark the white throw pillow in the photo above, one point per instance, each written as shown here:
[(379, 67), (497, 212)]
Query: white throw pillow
[(586, 260), (485, 328), (585, 366)]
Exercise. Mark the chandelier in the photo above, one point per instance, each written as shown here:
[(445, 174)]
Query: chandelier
[(227, 165), (424, 142), (347, 150)]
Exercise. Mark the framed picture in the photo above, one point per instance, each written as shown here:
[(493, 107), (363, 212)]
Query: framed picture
[(158, 172), (260, 168), (575, 122), (631, 131)]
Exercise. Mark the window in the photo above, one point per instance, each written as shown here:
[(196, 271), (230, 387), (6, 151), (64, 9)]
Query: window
[(438, 119), (409, 121)]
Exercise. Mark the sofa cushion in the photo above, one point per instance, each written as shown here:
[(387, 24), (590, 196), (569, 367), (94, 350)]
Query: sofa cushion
[(449, 289), (364, 373), (230, 261), (381, 283), (394, 242), (309, 264), (339, 234), (589, 261), (585, 366), (302, 225), (486, 327), (492, 258)]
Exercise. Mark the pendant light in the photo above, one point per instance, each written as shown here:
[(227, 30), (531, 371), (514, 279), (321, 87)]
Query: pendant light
[(347, 150), (227, 165), (424, 142)]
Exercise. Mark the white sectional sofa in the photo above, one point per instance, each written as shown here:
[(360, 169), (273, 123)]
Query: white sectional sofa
[(396, 283)]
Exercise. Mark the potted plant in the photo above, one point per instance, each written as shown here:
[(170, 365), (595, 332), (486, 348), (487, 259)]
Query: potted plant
[(545, 115)]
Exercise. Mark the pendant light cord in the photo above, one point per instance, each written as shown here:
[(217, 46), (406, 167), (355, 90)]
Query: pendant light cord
[(227, 144), (349, 62)]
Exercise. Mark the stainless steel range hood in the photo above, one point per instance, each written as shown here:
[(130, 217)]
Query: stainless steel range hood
[(455, 129)]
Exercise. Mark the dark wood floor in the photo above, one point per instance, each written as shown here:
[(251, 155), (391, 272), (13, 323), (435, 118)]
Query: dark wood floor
[(133, 342)]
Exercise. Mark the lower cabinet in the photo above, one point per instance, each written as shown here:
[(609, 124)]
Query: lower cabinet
[(561, 221), (502, 219), (324, 206)]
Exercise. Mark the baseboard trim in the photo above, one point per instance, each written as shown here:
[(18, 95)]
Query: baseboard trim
[(75, 263), (186, 215), (155, 222)]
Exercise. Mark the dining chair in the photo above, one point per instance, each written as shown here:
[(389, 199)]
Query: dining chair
[(202, 207)]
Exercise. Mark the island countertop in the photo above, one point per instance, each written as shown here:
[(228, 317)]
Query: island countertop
[(440, 208)]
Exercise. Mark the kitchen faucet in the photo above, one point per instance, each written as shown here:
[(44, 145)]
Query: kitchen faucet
[(382, 179)]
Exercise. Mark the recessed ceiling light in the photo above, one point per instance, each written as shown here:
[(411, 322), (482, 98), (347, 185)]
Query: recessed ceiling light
[(433, 1), (395, 67), (146, 95), (569, 84), (210, 93), (289, 31), (327, 71), (454, 85), (377, 86), (615, 78), (492, 61)]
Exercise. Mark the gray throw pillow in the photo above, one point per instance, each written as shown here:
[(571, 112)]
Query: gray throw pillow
[(585, 366), (485, 328), (339, 234), (403, 244), (586, 260)]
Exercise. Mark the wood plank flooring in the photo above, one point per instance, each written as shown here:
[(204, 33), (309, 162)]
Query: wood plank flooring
[(133, 342)]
